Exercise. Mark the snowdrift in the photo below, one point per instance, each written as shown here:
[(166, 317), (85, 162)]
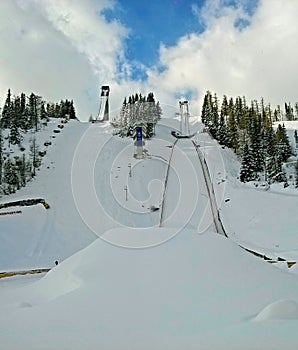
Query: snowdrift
[(194, 291)]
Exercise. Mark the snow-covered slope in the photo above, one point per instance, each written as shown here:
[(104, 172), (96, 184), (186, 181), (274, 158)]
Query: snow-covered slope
[(83, 178), (256, 217), (38, 237), (142, 286), (194, 291)]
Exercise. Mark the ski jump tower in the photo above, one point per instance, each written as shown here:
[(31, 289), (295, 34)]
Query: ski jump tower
[(184, 115), (103, 113)]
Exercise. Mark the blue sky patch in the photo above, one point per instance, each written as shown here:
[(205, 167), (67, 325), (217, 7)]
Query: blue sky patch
[(155, 22)]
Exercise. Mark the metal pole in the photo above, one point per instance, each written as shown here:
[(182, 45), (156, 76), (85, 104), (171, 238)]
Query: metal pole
[(125, 189), (181, 117)]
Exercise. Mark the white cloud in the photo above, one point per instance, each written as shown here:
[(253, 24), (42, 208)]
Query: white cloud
[(257, 61), (58, 49), (86, 29), (66, 49)]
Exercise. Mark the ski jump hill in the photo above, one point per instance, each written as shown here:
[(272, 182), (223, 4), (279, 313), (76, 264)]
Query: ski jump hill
[(143, 263)]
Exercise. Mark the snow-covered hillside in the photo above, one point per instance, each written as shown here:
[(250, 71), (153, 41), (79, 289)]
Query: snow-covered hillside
[(38, 237), (147, 283), (257, 217)]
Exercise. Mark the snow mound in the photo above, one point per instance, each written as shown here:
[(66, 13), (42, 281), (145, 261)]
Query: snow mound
[(279, 310), (139, 237), (193, 289)]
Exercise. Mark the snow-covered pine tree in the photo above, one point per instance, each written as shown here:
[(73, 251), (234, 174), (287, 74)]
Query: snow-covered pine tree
[(138, 111), (43, 113), (1, 154), (207, 110), (205, 106), (256, 140), (222, 130), (10, 176), (239, 113), (247, 172), (157, 112), (232, 131), (72, 111), (296, 138), (35, 159), (34, 100), (16, 112), (289, 111), (296, 174), (214, 121), (15, 137), (22, 171), (222, 126), (6, 116), (278, 114), (50, 109), (296, 111), (282, 143), (150, 131), (273, 167)]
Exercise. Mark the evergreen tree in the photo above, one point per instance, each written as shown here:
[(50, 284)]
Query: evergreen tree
[(16, 118), (222, 127), (10, 176), (210, 114), (296, 111), (150, 130), (296, 174), (33, 111), (289, 111), (278, 114), (238, 113), (283, 143), (296, 137), (72, 111), (150, 97), (256, 140), (23, 103), (22, 171), (222, 130), (205, 108), (7, 112), (269, 152), (1, 155), (157, 113), (232, 131), (273, 168), (138, 111), (240, 127), (247, 172), (214, 118), (43, 113), (15, 137), (35, 160), (224, 111), (50, 109)]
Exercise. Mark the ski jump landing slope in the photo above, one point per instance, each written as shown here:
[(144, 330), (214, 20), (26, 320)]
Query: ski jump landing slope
[(191, 292), (37, 237), (83, 178), (186, 201)]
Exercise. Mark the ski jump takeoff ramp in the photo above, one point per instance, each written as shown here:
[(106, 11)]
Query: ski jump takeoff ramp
[(103, 113)]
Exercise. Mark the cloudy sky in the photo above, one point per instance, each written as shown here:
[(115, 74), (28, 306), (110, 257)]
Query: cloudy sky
[(176, 48)]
